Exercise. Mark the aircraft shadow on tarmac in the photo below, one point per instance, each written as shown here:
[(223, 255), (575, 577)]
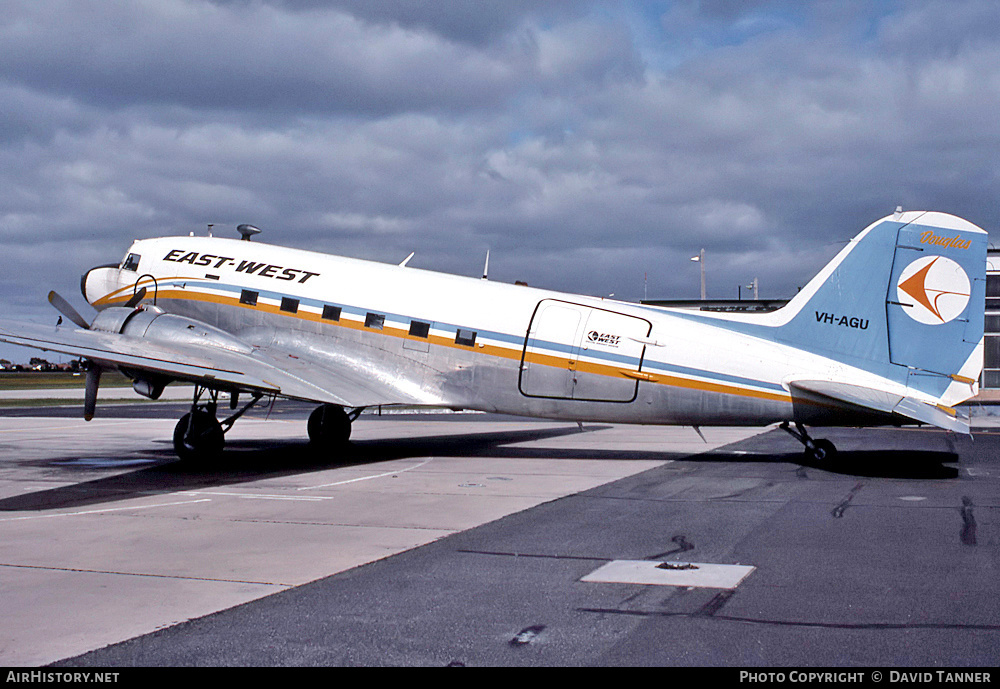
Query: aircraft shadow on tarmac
[(253, 460), (896, 464), (250, 460)]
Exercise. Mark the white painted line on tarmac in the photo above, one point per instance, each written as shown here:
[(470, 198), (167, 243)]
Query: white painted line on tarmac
[(92, 424), (367, 478), (253, 496)]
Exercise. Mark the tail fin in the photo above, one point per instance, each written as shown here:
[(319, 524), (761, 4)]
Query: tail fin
[(904, 299)]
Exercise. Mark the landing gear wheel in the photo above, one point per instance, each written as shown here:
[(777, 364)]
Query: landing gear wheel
[(329, 427), (198, 435), (820, 451), (823, 451)]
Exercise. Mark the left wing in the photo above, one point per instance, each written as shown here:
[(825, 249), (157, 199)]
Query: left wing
[(210, 360), (189, 362)]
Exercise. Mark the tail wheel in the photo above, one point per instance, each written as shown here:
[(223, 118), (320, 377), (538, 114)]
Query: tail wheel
[(822, 451), (198, 435), (329, 426)]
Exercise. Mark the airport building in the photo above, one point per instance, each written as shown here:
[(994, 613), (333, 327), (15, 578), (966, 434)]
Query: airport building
[(990, 382)]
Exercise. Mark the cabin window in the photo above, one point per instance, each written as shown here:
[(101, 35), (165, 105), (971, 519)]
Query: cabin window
[(375, 321), (465, 337), (248, 297), (131, 262), (290, 305), (331, 313), (420, 329)]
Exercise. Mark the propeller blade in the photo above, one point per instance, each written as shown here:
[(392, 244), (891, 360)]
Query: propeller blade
[(64, 307), (90, 399), (136, 298)]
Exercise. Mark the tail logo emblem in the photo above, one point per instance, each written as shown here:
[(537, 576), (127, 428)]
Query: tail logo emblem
[(933, 290)]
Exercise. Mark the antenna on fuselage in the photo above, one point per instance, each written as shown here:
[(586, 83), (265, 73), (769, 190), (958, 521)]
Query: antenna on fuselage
[(486, 268), (247, 231)]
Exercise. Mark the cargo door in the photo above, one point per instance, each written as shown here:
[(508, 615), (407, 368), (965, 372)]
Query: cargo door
[(577, 352)]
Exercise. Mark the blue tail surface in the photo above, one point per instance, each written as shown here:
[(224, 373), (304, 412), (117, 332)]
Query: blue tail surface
[(905, 299)]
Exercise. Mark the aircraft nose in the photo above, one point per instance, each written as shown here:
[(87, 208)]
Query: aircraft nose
[(99, 282)]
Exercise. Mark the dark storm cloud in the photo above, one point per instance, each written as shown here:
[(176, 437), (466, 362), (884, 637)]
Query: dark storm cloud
[(244, 56), (587, 144), (466, 22)]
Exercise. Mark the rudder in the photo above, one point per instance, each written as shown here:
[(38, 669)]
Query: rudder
[(935, 306)]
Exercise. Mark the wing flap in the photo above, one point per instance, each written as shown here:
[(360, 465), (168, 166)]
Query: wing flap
[(364, 381)]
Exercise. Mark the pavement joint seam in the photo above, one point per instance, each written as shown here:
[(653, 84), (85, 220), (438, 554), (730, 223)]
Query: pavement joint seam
[(146, 574)]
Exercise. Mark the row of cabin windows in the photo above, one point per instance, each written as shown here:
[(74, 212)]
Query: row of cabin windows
[(375, 321)]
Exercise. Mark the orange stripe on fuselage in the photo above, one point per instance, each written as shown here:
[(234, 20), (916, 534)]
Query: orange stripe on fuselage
[(122, 295)]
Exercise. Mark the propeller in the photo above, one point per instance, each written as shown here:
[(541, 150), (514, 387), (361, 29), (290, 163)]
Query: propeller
[(64, 307), (90, 398), (94, 372), (136, 298)]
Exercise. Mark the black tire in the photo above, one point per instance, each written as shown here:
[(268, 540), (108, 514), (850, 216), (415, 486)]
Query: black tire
[(823, 451), (329, 427), (203, 440)]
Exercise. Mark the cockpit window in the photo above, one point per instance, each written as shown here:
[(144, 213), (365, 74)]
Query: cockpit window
[(131, 262)]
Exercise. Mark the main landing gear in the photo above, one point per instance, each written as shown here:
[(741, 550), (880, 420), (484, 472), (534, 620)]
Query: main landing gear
[(330, 426), (821, 451), (199, 434)]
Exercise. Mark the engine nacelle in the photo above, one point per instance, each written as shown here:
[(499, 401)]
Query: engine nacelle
[(113, 319), (168, 328), (150, 323)]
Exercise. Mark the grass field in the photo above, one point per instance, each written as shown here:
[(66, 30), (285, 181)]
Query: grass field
[(37, 380)]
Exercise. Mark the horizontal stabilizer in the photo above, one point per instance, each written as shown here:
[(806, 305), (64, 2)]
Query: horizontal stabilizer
[(886, 402)]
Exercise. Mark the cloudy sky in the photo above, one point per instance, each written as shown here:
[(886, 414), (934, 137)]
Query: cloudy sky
[(591, 146)]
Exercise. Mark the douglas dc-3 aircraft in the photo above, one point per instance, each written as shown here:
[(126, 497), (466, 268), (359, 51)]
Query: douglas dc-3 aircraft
[(889, 332)]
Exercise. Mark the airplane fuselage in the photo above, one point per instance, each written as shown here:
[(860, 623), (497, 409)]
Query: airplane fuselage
[(452, 341)]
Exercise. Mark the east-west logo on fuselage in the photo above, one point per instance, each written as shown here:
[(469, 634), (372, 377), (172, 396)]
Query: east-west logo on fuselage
[(603, 338), (266, 270)]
